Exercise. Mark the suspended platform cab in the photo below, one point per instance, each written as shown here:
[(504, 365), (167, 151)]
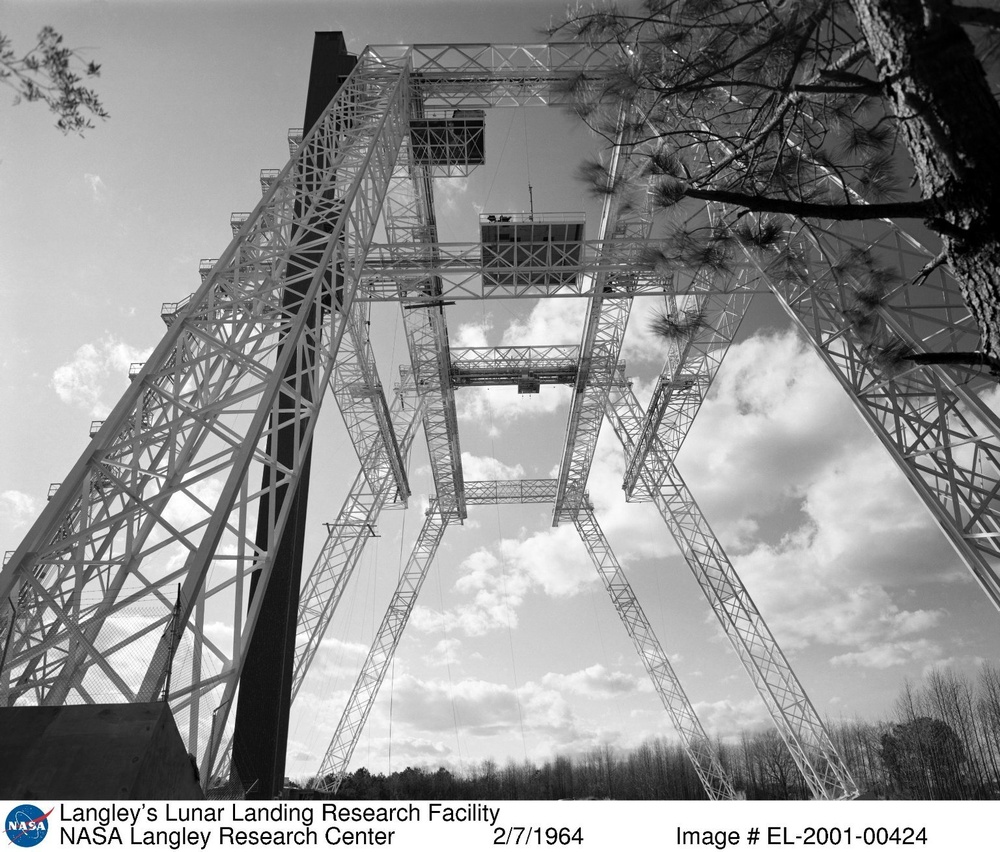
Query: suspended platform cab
[(451, 145), (530, 252)]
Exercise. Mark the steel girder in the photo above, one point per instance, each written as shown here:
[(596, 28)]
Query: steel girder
[(931, 418), (361, 397), (393, 273), (505, 365), (688, 372), (346, 539), (792, 712), (471, 76), (349, 533), (695, 741), (138, 507), (490, 491), (409, 219), (164, 497), (603, 334), (365, 690)]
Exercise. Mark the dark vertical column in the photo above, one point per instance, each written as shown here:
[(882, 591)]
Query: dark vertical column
[(261, 734)]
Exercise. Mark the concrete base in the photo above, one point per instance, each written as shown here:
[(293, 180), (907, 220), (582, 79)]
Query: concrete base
[(94, 751)]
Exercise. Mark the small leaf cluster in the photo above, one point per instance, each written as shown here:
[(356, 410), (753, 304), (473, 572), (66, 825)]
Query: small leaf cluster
[(55, 75)]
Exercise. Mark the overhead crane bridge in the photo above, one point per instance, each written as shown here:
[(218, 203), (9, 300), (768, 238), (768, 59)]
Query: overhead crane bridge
[(234, 390)]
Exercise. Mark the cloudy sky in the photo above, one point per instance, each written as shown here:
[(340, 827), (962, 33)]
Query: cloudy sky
[(514, 649)]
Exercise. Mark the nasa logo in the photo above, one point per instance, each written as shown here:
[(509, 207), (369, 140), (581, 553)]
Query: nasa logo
[(27, 826)]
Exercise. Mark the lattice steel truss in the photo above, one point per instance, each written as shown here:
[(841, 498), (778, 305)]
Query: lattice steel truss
[(383, 647), (932, 419), (165, 495), (791, 710), (693, 737), (165, 498)]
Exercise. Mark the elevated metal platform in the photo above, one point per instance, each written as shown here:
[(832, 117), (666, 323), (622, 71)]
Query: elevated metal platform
[(512, 244), (451, 145)]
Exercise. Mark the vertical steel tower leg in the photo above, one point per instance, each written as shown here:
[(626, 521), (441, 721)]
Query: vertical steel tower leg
[(345, 738), (346, 539), (794, 716), (167, 492), (696, 743)]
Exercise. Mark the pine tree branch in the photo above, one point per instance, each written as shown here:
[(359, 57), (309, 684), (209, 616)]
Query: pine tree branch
[(845, 61), (811, 210), (871, 89)]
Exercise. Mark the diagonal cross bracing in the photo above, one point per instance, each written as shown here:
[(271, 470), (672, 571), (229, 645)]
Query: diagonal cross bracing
[(163, 495), (506, 365), (346, 539), (688, 372), (393, 275), (409, 219), (490, 491), (603, 334), (366, 687), (932, 418), (791, 710), (695, 741), (498, 75), (389, 267), (349, 533), (361, 397)]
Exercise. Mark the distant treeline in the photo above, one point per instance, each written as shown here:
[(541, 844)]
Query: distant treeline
[(944, 743)]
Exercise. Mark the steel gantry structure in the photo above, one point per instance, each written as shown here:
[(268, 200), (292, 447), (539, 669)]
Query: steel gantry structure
[(157, 530)]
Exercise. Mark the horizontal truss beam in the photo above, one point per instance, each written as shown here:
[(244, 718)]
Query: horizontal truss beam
[(508, 365), (491, 491)]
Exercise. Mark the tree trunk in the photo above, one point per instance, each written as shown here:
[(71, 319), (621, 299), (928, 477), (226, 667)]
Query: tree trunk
[(950, 122)]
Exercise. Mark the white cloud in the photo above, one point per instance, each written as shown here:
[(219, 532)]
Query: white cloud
[(481, 708), (19, 509), (551, 322), (640, 344), (485, 709), (84, 380), (727, 718), (596, 682), (449, 192), (485, 467), (501, 404), (470, 334), (496, 582), (778, 441), (98, 188), (494, 602), (888, 654), (444, 653)]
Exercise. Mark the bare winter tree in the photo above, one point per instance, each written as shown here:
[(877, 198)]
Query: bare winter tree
[(54, 75), (798, 107)]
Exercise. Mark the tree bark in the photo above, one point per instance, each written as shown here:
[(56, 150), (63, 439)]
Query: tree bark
[(950, 123)]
